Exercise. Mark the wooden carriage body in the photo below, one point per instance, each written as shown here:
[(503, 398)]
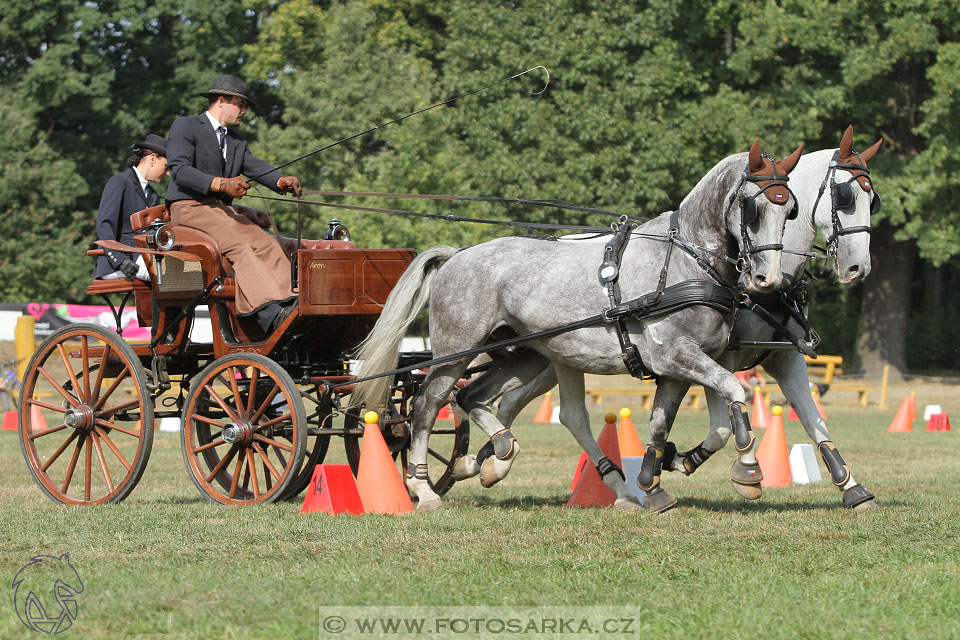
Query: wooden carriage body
[(256, 411)]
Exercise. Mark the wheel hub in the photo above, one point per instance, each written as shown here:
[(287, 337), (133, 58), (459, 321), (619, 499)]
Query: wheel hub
[(240, 431), (80, 418)]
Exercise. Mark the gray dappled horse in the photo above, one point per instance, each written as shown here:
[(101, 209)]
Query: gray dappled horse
[(836, 198), (733, 219)]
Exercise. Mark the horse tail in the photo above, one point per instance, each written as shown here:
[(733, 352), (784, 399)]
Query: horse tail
[(380, 351)]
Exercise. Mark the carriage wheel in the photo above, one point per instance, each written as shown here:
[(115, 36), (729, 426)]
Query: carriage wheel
[(317, 445), (86, 424), (244, 430), (448, 440)]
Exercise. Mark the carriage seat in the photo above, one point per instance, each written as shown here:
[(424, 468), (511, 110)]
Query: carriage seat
[(198, 242)]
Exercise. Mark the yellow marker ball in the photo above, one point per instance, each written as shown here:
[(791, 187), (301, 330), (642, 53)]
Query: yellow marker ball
[(371, 417), (625, 413), (610, 418), (777, 410), (756, 389)]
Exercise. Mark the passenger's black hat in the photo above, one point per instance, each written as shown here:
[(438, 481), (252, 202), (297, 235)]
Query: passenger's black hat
[(154, 143), (229, 86)]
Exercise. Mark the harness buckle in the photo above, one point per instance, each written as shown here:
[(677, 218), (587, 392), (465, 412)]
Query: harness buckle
[(742, 265)]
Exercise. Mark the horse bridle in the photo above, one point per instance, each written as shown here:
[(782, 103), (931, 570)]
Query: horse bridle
[(842, 196), (749, 211)]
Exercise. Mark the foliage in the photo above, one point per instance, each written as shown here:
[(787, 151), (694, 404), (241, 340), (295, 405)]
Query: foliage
[(643, 99)]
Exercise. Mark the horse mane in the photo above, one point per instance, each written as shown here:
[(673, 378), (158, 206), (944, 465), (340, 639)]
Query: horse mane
[(707, 201)]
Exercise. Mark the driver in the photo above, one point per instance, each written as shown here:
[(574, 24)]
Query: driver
[(206, 162)]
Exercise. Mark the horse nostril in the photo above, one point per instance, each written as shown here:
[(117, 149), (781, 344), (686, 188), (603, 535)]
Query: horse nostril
[(854, 269)]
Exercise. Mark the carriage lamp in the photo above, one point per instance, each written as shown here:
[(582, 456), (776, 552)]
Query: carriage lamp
[(336, 231), (160, 237)]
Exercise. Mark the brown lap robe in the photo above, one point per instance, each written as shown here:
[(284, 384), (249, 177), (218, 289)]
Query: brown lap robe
[(262, 269)]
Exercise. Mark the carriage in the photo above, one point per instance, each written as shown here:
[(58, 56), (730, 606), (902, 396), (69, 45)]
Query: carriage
[(257, 412)]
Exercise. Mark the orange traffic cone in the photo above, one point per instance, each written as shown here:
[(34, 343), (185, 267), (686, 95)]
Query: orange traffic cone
[(38, 421), (792, 415), (545, 411), (903, 421), (627, 438), (816, 400), (9, 421), (590, 490), (332, 490), (445, 413), (772, 453), (760, 417), (378, 481), (581, 465), (913, 405), (938, 422)]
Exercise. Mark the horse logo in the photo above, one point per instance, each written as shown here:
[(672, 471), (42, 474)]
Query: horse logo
[(45, 593)]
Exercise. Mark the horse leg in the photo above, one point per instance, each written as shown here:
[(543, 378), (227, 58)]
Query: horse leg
[(790, 371), (432, 395), (689, 461), (513, 401), (574, 416), (495, 458), (660, 452)]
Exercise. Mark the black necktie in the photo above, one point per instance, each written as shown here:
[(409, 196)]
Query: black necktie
[(222, 135), (151, 195)]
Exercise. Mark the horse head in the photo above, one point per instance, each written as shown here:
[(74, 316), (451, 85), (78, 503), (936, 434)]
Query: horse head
[(843, 218), (765, 204)]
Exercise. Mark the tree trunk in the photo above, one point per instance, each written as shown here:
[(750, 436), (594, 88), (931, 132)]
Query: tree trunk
[(882, 335)]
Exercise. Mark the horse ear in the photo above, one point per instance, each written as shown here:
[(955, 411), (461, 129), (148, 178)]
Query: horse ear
[(755, 162), (846, 143), (867, 155), (790, 162)]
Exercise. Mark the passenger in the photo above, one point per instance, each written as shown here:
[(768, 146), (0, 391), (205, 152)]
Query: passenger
[(206, 162), (125, 194)]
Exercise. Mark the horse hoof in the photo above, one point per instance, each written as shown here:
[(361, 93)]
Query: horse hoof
[(659, 502), (493, 469), (746, 479), (627, 504), (869, 505), (859, 498), (429, 505), (465, 467)]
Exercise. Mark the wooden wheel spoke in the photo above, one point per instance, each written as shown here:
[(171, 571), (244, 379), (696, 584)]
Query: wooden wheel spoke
[(102, 369), (73, 465), (202, 418), (220, 402), (235, 388), (113, 387), (88, 468), (266, 461), (46, 432), (74, 401), (252, 470), (56, 454), (272, 421), (113, 427), (84, 353), (223, 463), (68, 367), (113, 447), (43, 405), (103, 463), (236, 476), (277, 452), (265, 404), (272, 442), (120, 407), (209, 445), (252, 392), (437, 455)]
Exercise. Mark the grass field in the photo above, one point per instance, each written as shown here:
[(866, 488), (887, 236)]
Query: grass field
[(165, 564)]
